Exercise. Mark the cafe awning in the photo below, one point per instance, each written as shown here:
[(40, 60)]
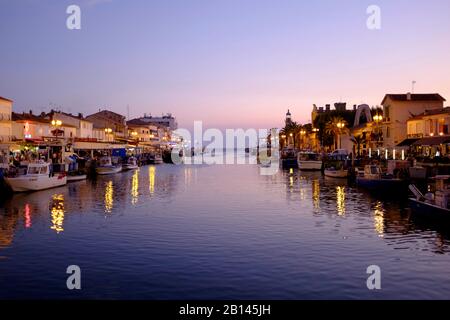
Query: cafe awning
[(407, 142), (432, 141)]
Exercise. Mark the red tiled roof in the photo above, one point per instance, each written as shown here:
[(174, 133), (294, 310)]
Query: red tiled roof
[(414, 97)]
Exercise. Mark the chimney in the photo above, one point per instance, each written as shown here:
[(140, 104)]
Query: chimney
[(408, 96), (354, 107), (31, 112), (327, 107), (80, 115)]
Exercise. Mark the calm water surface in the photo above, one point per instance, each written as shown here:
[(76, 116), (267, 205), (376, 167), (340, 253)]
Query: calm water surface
[(217, 232)]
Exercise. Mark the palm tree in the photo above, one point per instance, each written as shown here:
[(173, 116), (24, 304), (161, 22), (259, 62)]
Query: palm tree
[(335, 127), (291, 129), (358, 141)]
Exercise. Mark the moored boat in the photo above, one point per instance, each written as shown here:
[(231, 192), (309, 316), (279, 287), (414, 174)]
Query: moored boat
[(336, 173), (106, 167), (76, 177), (432, 203), (373, 179), (38, 176), (309, 161), (131, 164), (158, 159)]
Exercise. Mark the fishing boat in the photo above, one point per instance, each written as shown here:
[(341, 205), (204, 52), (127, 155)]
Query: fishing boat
[(373, 179), (333, 172), (38, 176), (309, 161), (288, 158), (432, 203), (131, 164), (106, 167)]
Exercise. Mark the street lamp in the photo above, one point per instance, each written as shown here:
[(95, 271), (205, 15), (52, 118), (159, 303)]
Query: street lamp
[(378, 118), (340, 125), (56, 124), (108, 131)]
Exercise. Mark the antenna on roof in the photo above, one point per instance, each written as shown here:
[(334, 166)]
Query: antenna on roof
[(413, 85), (128, 111)]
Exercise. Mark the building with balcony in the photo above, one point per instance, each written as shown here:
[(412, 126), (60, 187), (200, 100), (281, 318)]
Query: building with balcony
[(399, 108), (167, 121), (143, 132)]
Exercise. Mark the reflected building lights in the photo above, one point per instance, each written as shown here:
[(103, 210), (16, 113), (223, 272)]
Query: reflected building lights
[(379, 219), (135, 187), (340, 200), (57, 211), (27, 216), (151, 179), (109, 193), (315, 185)]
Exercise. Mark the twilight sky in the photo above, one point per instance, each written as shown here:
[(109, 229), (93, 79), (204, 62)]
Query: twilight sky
[(230, 63)]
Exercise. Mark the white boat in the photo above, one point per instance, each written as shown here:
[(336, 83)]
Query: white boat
[(131, 164), (309, 161), (76, 177), (106, 167), (336, 173), (37, 177)]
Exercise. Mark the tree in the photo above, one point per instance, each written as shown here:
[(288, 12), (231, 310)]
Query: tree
[(335, 127), (358, 141)]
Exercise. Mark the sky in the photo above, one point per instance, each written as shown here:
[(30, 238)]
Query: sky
[(228, 63)]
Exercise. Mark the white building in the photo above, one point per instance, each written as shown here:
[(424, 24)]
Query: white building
[(5, 119)]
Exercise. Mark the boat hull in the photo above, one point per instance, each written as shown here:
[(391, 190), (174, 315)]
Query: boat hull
[(25, 184), (382, 185), (128, 167), (108, 170), (336, 173), (310, 165), (76, 178), (420, 207)]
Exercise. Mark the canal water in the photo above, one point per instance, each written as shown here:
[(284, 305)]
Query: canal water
[(218, 232)]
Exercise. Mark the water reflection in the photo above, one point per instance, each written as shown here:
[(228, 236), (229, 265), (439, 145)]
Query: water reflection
[(57, 213), (135, 187), (109, 194), (151, 179), (27, 216), (379, 218), (340, 200)]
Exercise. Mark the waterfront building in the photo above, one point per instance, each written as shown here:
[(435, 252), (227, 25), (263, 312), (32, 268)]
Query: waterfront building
[(27, 126), (113, 125), (398, 109), (166, 120), (83, 127), (5, 120), (142, 131)]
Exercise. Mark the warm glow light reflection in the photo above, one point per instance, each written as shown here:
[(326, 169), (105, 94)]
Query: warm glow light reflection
[(379, 219), (109, 193), (151, 179), (135, 187), (316, 193), (340, 200), (27, 216), (57, 211)]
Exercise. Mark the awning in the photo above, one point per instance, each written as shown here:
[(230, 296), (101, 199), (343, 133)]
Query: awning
[(432, 141), (407, 142)]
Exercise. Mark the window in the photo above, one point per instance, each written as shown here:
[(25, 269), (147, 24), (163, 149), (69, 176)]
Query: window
[(388, 132), (387, 112)]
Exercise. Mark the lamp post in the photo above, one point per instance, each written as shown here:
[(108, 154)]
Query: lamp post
[(340, 125), (378, 118), (302, 135), (56, 124), (108, 131)]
